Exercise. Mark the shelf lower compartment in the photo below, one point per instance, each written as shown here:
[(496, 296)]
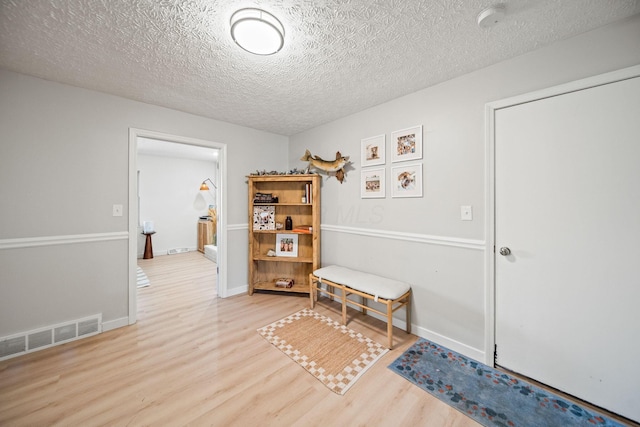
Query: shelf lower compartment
[(302, 288), (306, 260)]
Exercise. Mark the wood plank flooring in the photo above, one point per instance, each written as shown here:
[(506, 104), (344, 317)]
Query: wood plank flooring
[(195, 359)]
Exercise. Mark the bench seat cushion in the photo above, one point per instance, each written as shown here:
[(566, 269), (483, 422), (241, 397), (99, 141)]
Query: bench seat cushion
[(365, 282)]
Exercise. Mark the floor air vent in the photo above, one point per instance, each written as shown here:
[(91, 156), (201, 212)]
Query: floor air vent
[(177, 251), (38, 339)]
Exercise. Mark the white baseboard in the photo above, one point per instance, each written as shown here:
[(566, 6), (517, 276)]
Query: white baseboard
[(115, 324), (237, 291), (427, 334), (451, 344)]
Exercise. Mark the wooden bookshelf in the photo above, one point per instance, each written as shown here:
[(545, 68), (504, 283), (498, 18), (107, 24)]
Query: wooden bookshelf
[(290, 190)]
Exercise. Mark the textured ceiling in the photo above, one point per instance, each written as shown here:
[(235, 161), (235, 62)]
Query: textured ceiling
[(339, 56)]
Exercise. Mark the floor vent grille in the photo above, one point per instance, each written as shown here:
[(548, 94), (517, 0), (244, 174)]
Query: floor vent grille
[(38, 339), (177, 251)]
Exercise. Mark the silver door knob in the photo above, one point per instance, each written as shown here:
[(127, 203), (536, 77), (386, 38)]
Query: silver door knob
[(504, 251)]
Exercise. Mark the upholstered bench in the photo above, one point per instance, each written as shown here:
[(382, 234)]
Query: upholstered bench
[(393, 294)]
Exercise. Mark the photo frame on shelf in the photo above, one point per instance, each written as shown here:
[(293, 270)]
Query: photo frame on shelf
[(286, 245), (406, 144), (406, 180), (264, 217), (372, 183), (372, 151)]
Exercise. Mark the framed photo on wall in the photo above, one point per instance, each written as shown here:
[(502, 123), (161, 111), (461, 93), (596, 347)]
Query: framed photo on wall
[(287, 245), (406, 181), (372, 151), (372, 185), (406, 144)]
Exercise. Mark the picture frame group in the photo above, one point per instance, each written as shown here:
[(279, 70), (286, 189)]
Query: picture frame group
[(406, 180)]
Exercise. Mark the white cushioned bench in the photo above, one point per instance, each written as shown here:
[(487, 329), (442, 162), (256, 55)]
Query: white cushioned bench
[(393, 294)]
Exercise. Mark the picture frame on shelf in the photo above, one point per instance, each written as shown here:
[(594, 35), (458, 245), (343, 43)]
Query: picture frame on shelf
[(406, 144), (287, 245), (372, 183), (264, 217), (372, 151), (406, 180)]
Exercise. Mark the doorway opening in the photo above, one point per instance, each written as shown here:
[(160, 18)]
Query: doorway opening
[(168, 167)]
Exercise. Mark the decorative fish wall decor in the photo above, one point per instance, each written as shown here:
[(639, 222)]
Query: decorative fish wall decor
[(330, 166)]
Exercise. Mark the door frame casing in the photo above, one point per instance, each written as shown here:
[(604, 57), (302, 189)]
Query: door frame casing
[(490, 225), (221, 256)]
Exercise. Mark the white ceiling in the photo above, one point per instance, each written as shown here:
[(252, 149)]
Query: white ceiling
[(339, 57)]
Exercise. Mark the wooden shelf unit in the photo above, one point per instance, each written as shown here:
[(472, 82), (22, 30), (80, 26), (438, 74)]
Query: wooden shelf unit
[(263, 269), (205, 233)]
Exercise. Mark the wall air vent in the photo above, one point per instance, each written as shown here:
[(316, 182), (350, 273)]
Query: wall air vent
[(88, 327), (38, 339), (10, 347)]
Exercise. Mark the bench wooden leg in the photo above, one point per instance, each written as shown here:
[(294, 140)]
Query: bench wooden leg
[(312, 291), (408, 309), (344, 306), (364, 303), (390, 323)]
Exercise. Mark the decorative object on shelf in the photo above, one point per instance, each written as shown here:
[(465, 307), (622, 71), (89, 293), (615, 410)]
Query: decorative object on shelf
[(304, 229), (308, 193), (335, 167), (372, 183), (406, 181), (288, 223), (284, 282), (406, 144), (271, 252), (264, 218), (372, 151), (287, 245), (294, 171), (266, 198)]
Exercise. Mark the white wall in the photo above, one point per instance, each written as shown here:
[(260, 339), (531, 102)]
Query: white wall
[(63, 164), (423, 241), (168, 189)]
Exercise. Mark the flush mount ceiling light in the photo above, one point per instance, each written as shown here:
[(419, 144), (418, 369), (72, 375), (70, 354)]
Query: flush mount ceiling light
[(257, 31)]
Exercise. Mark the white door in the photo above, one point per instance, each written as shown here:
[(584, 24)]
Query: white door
[(567, 205)]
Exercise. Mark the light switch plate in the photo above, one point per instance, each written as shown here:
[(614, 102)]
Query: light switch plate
[(117, 210), (466, 213)]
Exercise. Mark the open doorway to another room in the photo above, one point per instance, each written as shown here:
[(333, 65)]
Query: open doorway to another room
[(177, 204)]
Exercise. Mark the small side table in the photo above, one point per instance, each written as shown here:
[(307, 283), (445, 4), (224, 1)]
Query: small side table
[(148, 248)]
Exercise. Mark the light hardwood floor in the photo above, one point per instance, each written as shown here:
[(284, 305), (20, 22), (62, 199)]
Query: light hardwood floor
[(195, 359)]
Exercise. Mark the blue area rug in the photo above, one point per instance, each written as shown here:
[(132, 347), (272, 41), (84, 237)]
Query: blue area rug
[(487, 395)]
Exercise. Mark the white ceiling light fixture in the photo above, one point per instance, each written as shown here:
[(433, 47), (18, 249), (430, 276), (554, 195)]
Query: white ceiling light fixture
[(257, 31)]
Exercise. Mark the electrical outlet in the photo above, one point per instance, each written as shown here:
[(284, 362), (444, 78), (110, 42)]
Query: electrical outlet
[(117, 210), (466, 213)]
